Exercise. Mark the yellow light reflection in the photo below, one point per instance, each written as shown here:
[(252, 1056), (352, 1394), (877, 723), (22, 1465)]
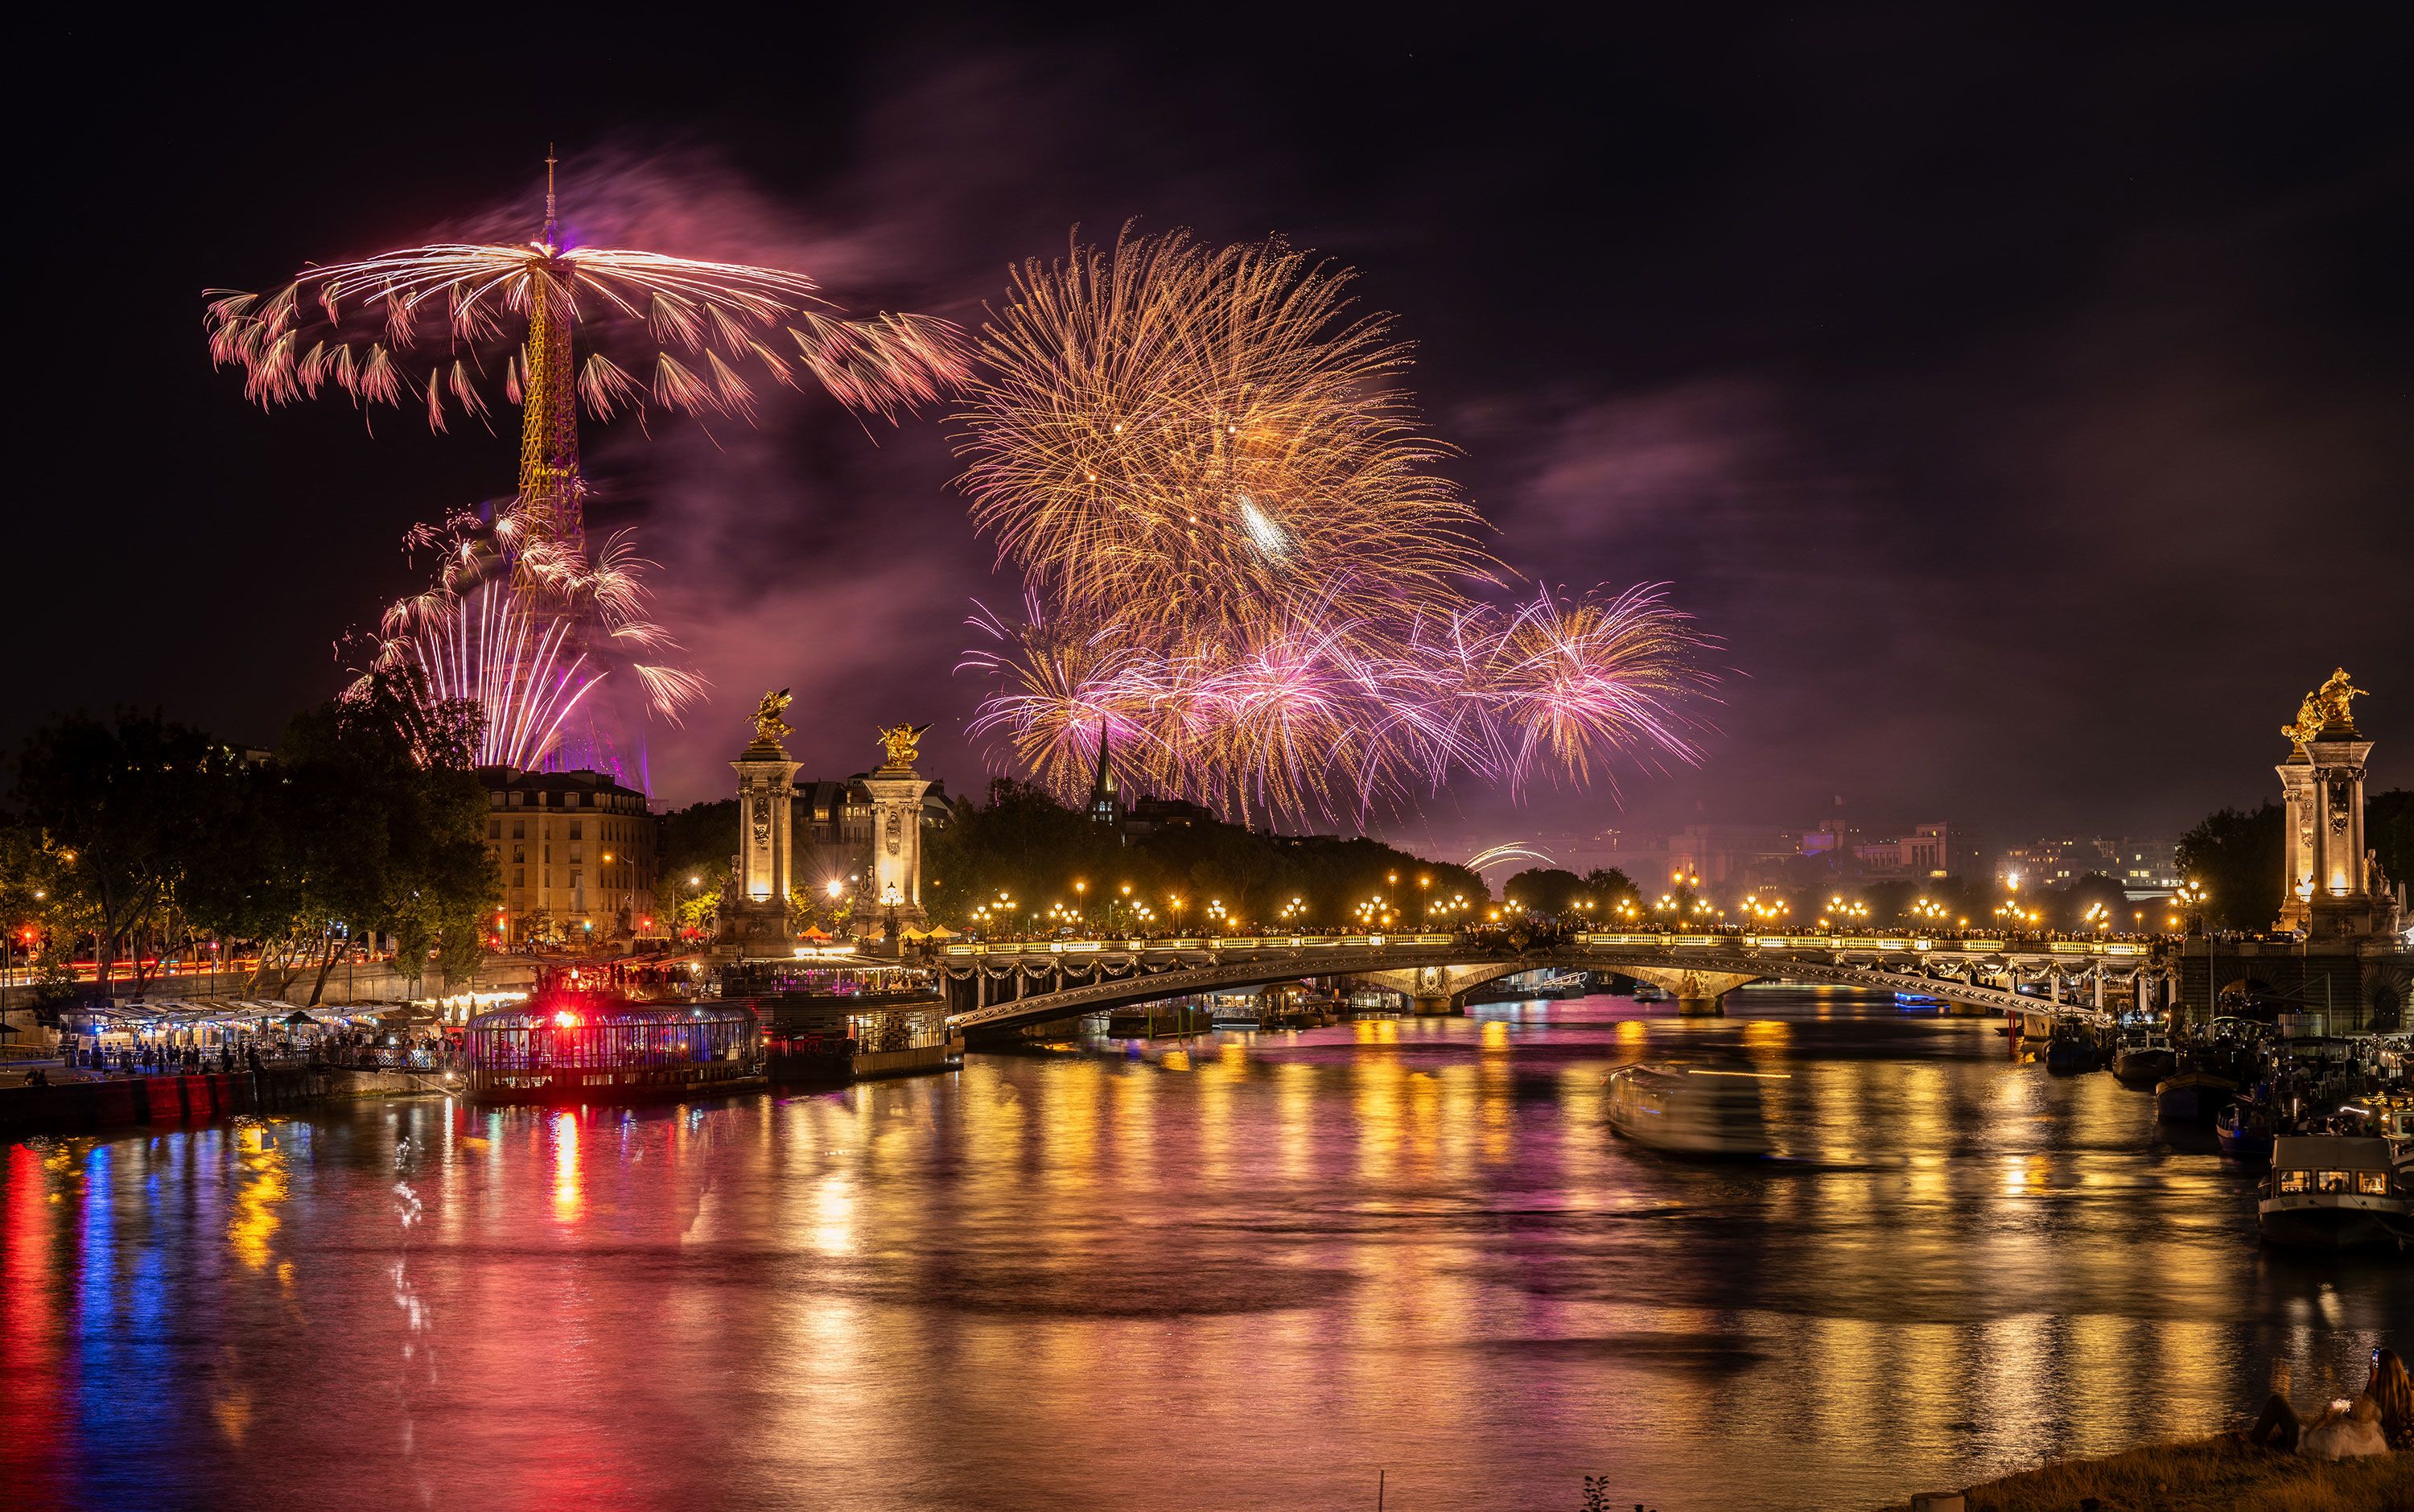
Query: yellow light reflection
[(260, 1185), (567, 1198)]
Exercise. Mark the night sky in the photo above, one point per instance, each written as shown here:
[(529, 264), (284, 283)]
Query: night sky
[(2026, 398)]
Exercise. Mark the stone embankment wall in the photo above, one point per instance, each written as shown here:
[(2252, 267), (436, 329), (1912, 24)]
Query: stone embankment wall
[(76, 1107), (120, 1101)]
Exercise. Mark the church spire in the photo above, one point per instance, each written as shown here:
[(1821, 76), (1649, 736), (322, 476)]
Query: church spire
[(1106, 806)]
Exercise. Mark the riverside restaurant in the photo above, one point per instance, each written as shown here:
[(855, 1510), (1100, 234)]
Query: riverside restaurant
[(578, 1047)]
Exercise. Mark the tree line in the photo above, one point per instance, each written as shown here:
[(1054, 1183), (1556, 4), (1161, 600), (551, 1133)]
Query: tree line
[(138, 839)]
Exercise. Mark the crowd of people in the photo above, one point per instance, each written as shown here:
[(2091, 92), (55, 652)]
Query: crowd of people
[(353, 1049)]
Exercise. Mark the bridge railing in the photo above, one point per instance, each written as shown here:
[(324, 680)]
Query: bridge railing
[(1207, 942), (1651, 938)]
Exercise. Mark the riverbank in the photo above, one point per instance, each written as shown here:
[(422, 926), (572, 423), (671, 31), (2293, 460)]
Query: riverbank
[(104, 1103), (2215, 1474)]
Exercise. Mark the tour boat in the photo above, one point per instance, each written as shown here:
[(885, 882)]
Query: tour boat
[(2144, 1061), (1690, 1109), (2244, 1132), (2336, 1191), (1647, 993), (2192, 1096)]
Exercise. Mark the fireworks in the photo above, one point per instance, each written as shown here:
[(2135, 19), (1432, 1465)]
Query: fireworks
[(456, 329), (1241, 570), (1170, 433), (553, 671)]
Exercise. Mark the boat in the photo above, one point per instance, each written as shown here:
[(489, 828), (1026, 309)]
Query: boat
[(2144, 1059), (2244, 1134), (1647, 993), (2070, 1052), (1690, 1109), (2193, 1095), (2336, 1190)]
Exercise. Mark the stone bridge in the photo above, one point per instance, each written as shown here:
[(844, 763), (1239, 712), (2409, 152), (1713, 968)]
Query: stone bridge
[(1002, 986)]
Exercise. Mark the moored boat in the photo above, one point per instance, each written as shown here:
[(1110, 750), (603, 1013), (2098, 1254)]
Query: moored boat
[(2192, 1096), (2144, 1059), (2069, 1053), (2244, 1132), (1690, 1109), (2334, 1190)]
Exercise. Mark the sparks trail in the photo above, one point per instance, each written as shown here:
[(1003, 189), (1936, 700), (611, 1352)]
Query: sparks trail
[(459, 327), (537, 657)]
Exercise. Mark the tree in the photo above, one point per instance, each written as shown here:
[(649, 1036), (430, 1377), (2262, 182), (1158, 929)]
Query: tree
[(2388, 830), (2236, 856), (1607, 887), (376, 823), (129, 807), (1543, 889), (698, 841), (1054, 862), (2076, 905)]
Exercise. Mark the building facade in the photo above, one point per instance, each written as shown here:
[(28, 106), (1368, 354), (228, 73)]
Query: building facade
[(579, 856)]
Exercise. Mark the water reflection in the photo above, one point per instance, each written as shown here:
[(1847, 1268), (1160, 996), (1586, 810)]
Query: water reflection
[(1406, 1245)]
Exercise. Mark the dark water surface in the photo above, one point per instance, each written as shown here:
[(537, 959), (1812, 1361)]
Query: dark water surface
[(1252, 1274)]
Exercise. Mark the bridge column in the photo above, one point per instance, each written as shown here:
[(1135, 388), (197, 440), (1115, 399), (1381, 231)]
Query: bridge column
[(2099, 987), (1698, 993), (1436, 991)]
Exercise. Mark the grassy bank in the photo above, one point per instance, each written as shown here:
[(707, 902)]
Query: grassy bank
[(2204, 1476)]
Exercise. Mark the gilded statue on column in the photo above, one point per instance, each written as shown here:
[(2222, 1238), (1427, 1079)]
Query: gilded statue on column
[(2324, 708), (769, 728), (899, 742)]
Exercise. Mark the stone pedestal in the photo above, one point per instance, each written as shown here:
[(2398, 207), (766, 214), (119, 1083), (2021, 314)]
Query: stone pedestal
[(897, 843), (2297, 840), (753, 920), (2341, 902)]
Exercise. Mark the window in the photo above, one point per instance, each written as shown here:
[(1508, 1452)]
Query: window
[(2332, 1181), (494, 829), (574, 850), (2372, 1183), (519, 828), (2293, 1180), (519, 853), (576, 829), (519, 876)]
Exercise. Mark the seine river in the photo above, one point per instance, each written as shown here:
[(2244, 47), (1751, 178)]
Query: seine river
[(1259, 1272)]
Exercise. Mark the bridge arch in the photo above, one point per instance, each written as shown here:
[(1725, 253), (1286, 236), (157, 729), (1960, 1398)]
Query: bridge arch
[(1733, 961)]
